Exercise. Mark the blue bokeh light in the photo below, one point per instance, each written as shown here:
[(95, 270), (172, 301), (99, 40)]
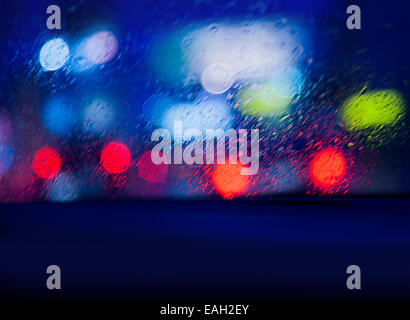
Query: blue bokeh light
[(212, 113), (59, 116), (98, 117), (155, 107), (62, 189)]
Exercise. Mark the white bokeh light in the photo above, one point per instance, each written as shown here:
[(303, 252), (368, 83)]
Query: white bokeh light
[(217, 78), (220, 54), (101, 47), (54, 54)]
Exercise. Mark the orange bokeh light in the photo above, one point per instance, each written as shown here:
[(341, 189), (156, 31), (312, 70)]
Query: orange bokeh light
[(228, 180), (328, 168)]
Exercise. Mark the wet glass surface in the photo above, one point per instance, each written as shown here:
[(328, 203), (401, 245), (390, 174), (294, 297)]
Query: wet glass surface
[(322, 109)]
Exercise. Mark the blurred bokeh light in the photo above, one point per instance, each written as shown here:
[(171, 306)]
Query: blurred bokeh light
[(54, 54)]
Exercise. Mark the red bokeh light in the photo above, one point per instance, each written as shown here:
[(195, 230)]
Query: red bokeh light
[(115, 158), (228, 180), (46, 163), (328, 168), (150, 171)]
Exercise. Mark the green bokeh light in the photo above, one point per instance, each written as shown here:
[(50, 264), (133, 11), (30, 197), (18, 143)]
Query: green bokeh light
[(262, 100), (373, 109)]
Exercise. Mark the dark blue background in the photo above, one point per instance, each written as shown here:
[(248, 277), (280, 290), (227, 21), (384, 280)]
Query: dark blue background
[(202, 249), (207, 249)]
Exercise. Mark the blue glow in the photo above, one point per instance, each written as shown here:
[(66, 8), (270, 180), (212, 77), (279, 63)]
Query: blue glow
[(54, 54), (166, 58), (287, 82), (59, 116), (155, 107), (6, 158), (213, 113), (79, 62)]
